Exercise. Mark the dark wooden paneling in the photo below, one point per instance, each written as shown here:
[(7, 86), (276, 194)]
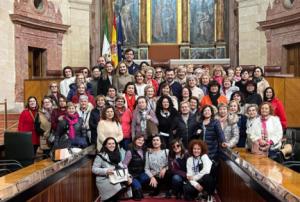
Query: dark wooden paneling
[(163, 53), (77, 186), (231, 187)]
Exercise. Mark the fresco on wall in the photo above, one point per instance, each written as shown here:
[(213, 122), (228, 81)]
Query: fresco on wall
[(202, 22), (221, 52), (164, 21), (129, 12), (202, 53)]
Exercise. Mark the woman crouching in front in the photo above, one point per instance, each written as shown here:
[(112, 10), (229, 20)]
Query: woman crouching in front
[(108, 160), (199, 172)]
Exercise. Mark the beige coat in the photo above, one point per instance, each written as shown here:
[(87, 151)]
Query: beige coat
[(107, 129), (46, 126)]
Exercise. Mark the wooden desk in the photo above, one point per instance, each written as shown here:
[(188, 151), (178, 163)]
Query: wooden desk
[(247, 177), (51, 181)]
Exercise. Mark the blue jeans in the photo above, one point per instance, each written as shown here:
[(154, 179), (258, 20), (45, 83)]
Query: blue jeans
[(177, 183), (138, 181)]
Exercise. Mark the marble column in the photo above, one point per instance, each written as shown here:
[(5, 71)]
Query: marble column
[(220, 20), (143, 22), (185, 21)]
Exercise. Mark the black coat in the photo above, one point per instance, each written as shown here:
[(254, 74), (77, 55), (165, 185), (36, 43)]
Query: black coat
[(187, 131), (103, 84), (93, 123)]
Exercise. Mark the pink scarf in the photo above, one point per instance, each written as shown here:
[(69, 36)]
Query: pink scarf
[(72, 120)]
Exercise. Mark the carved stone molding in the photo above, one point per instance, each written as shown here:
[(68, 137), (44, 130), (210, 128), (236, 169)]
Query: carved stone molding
[(38, 28), (282, 28)]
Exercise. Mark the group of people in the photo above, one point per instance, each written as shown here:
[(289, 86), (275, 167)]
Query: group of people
[(166, 126)]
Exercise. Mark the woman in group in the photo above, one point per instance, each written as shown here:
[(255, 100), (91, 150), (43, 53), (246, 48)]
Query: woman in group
[(214, 96), (212, 133), (227, 88), (95, 117), (177, 166), (143, 66), (135, 162), (122, 77), (194, 104), (156, 166), (105, 79), (141, 117), (58, 113), (87, 73), (218, 74), (261, 82), (266, 130), (149, 77), (151, 98), (54, 94), (108, 126), (84, 109), (237, 73), (269, 96), (166, 114), (73, 87), (245, 77), (181, 75), (159, 75), (108, 160), (192, 84), (186, 93), (67, 81), (166, 90), (204, 81), (238, 96), (200, 173), (81, 90), (234, 108), (26, 120), (45, 123), (130, 95), (229, 125), (252, 113), (111, 96), (69, 130), (140, 85), (125, 118), (251, 96)]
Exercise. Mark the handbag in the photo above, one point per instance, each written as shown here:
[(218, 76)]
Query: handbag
[(257, 149), (119, 175)]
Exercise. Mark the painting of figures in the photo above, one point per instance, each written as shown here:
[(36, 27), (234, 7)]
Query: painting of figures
[(164, 21), (129, 12), (202, 53), (202, 22)]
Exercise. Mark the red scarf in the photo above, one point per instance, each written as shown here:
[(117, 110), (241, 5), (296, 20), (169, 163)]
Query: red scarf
[(130, 101), (72, 120)]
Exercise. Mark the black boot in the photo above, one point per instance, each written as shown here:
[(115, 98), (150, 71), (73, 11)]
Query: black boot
[(137, 194), (155, 192)]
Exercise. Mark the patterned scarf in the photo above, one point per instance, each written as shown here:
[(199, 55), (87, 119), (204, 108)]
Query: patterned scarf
[(72, 119)]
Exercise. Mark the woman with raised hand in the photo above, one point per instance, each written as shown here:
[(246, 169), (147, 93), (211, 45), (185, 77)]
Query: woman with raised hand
[(106, 162), (200, 172), (156, 166), (135, 162), (177, 165), (108, 126)]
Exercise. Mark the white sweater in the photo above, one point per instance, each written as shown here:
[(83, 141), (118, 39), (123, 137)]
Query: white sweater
[(192, 168), (64, 85), (274, 130), (107, 129)]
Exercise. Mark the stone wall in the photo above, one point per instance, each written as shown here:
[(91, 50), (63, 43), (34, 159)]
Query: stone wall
[(75, 49), (252, 42)]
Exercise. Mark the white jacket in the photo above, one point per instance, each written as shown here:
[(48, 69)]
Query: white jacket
[(274, 129)]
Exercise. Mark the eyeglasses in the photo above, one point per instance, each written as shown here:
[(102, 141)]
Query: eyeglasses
[(175, 146)]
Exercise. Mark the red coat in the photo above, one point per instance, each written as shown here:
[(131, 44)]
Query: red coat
[(279, 111), (126, 120), (75, 99), (26, 124)]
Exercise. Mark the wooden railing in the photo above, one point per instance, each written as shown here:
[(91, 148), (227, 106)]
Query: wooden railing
[(5, 113)]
